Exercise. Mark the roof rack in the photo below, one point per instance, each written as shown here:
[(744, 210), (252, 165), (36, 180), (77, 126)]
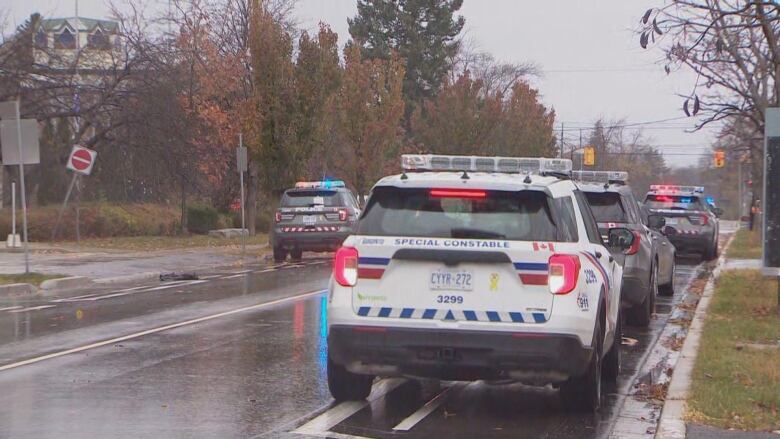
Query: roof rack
[(607, 177), (507, 165), (676, 189)]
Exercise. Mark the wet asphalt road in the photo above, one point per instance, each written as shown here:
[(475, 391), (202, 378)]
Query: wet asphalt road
[(242, 355)]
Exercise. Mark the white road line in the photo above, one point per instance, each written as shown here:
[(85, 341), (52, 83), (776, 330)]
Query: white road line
[(429, 407), (234, 276), (8, 308), (158, 329), (266, 270), (211, 276), (324, 422), (241, 272), (32, 308), (334, 435), (164, 287)]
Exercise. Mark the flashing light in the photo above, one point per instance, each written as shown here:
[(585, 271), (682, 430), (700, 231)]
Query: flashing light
[(326, 184), (457, 193), (711, 200), (563, 271), (508, 165), (676, 189), (601, 176)]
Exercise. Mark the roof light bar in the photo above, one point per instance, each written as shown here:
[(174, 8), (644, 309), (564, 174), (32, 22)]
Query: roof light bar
[(601, 176), (326, 184), (508, 165), (675, 188)]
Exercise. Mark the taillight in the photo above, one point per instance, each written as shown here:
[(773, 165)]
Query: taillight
[(634, 249), (345, 266), (343, 214), (278, 217), (563, 271), (705, 220)]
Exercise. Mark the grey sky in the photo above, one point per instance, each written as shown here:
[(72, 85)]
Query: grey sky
[(593, 65)]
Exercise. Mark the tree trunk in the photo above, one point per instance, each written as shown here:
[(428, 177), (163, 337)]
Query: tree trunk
[(183, 208), (252, 192)]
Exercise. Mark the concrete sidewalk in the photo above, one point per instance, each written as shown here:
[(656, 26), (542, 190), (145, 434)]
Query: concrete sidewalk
[(108, 265)]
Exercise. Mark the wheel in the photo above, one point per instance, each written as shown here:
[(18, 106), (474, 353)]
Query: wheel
[(668, 289), (347, 386), (583, 393), (611, 368), (280, 254), (712, 251), (296, 254), (641, 314)]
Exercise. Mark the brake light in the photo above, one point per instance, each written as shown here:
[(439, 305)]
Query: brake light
[(345, 266), (458, 193), (343, 214), (278, 217), (634, 249), (705, 220), (664, 199), (563, 271)]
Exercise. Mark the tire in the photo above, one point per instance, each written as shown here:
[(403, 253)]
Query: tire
[(280, 254), (347, 386), (583, 393), (641, 314), (296, 254), (668, 289), (712, 251), (611, 364)]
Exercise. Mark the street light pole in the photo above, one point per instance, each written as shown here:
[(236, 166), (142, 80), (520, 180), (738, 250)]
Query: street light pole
[(21, 181)]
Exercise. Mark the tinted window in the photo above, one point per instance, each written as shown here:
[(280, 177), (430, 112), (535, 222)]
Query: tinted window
[(312, 198), (606, 207), (521, 216), (587, 217), (567, 226), (674, 202)]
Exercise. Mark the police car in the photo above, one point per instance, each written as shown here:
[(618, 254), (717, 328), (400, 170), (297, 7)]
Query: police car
[(687, 221), (469, 268), (313, 216)]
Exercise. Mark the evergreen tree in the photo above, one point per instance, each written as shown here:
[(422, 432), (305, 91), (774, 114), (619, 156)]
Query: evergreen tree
[(422, 32)]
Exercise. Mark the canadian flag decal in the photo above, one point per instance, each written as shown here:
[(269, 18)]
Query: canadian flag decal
[(544, 246)]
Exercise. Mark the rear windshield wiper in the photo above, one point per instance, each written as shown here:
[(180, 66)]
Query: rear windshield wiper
[(475, 233)]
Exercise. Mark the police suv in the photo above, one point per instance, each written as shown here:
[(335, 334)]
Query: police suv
[(469, 268), (313, 216), (687, 221)]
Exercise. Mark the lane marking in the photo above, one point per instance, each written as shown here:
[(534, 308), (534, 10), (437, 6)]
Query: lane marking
[(8, 308), (324, 422), (240, 272), (211, 276), (334, 435), (267, 270), (235, 276), (32, 308), (429, 407), (158, 329)]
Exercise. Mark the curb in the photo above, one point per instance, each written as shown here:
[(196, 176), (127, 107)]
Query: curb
[(17, 289), (671, 425), (66, 282), (128, 278)]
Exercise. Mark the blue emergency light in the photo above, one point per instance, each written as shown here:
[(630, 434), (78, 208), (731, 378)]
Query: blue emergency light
[(711, 200)]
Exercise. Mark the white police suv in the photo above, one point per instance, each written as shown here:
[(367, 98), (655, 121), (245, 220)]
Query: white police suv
[(469, 268)]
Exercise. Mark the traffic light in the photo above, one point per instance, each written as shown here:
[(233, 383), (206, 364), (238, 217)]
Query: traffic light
[(589, 156), (720, 159)]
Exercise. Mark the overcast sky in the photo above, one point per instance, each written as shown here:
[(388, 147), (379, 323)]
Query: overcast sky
[(591, 61)]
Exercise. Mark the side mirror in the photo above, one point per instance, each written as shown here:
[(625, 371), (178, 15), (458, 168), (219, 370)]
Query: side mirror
[(656, 222), (718, 211), (621, 238)]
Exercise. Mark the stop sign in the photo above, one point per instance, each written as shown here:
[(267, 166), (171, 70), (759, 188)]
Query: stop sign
[(81, 160)]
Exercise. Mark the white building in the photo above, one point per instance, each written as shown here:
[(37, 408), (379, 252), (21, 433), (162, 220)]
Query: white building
[(60, 42)]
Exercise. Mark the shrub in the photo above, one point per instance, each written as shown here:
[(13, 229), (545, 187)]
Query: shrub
[(201, 218)]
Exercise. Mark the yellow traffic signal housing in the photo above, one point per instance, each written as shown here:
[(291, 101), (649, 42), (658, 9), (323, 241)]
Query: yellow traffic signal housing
[(720, 159), (589, 156)]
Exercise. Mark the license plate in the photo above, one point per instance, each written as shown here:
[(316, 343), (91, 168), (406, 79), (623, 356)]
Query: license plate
[(671, 221), (310, 219), (451, 280)]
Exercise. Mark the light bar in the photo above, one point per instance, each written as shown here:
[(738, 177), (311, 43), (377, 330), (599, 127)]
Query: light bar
[(326, 184), (601, 176), (508, 165), (674, 188)]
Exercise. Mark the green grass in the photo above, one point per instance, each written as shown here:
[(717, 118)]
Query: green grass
[(735, 386), (153, 243), (30, 278), (746, 245)]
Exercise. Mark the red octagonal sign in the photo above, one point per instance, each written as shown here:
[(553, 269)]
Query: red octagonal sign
[(81, 160)]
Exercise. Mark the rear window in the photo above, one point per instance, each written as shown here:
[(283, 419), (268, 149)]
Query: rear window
[(520, 216), (606, 207), (673, 202), (312, 198)]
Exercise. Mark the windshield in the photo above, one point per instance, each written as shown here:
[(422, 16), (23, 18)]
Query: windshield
[(521, 216), (311, 199), (606, 207), (674, 202)]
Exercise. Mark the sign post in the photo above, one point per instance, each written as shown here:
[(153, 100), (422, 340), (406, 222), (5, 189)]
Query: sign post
[(242, 162), (81, 161), (771, 199), (10, 110)]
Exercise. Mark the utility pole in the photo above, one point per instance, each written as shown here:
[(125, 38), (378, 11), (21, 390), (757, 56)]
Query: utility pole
[(561, 154)]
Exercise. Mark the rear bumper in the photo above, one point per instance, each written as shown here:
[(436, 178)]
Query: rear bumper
[(310, 241), (458, 355), (691, 243)]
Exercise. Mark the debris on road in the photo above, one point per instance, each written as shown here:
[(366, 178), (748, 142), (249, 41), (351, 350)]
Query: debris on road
[(167, 277)]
